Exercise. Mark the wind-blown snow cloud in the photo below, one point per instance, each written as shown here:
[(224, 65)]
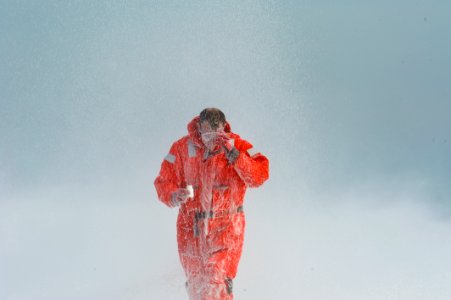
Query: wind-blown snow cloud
[(350, 103)]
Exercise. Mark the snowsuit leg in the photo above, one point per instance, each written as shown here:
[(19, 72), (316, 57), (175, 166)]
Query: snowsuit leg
[(208, 281), (210, 261)]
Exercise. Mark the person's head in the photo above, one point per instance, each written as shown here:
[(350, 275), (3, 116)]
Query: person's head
[(211, 122)]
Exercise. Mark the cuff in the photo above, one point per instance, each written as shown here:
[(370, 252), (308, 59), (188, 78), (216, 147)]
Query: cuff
[(232, 155), (173, 202)]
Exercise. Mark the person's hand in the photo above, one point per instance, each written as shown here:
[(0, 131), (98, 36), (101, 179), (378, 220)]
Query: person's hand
[(180, 196), (225, 141), (230, 151)]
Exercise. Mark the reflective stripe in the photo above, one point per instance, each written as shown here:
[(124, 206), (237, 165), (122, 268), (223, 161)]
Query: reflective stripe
[(252, 151), (221, 187), (191, 150), (170, 158)]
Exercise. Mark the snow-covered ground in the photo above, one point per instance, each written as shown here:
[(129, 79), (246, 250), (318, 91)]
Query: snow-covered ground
[(67, 244)]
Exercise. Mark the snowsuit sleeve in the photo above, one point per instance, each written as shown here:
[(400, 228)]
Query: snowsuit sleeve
[(169, 179), (251, 166)]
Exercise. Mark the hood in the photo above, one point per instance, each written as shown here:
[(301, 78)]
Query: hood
[(194, 134)]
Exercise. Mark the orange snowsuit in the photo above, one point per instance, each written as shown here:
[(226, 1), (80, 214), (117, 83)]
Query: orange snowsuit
[(210, 226)]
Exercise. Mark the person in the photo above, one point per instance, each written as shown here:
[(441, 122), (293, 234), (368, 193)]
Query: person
[(206, 174)]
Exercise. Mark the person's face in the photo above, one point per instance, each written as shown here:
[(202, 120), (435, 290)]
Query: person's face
[(209, 135)]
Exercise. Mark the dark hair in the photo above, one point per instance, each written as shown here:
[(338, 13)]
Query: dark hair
[(214, 116)]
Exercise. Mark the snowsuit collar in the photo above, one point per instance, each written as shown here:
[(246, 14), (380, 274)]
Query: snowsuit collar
[(194, 134)]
